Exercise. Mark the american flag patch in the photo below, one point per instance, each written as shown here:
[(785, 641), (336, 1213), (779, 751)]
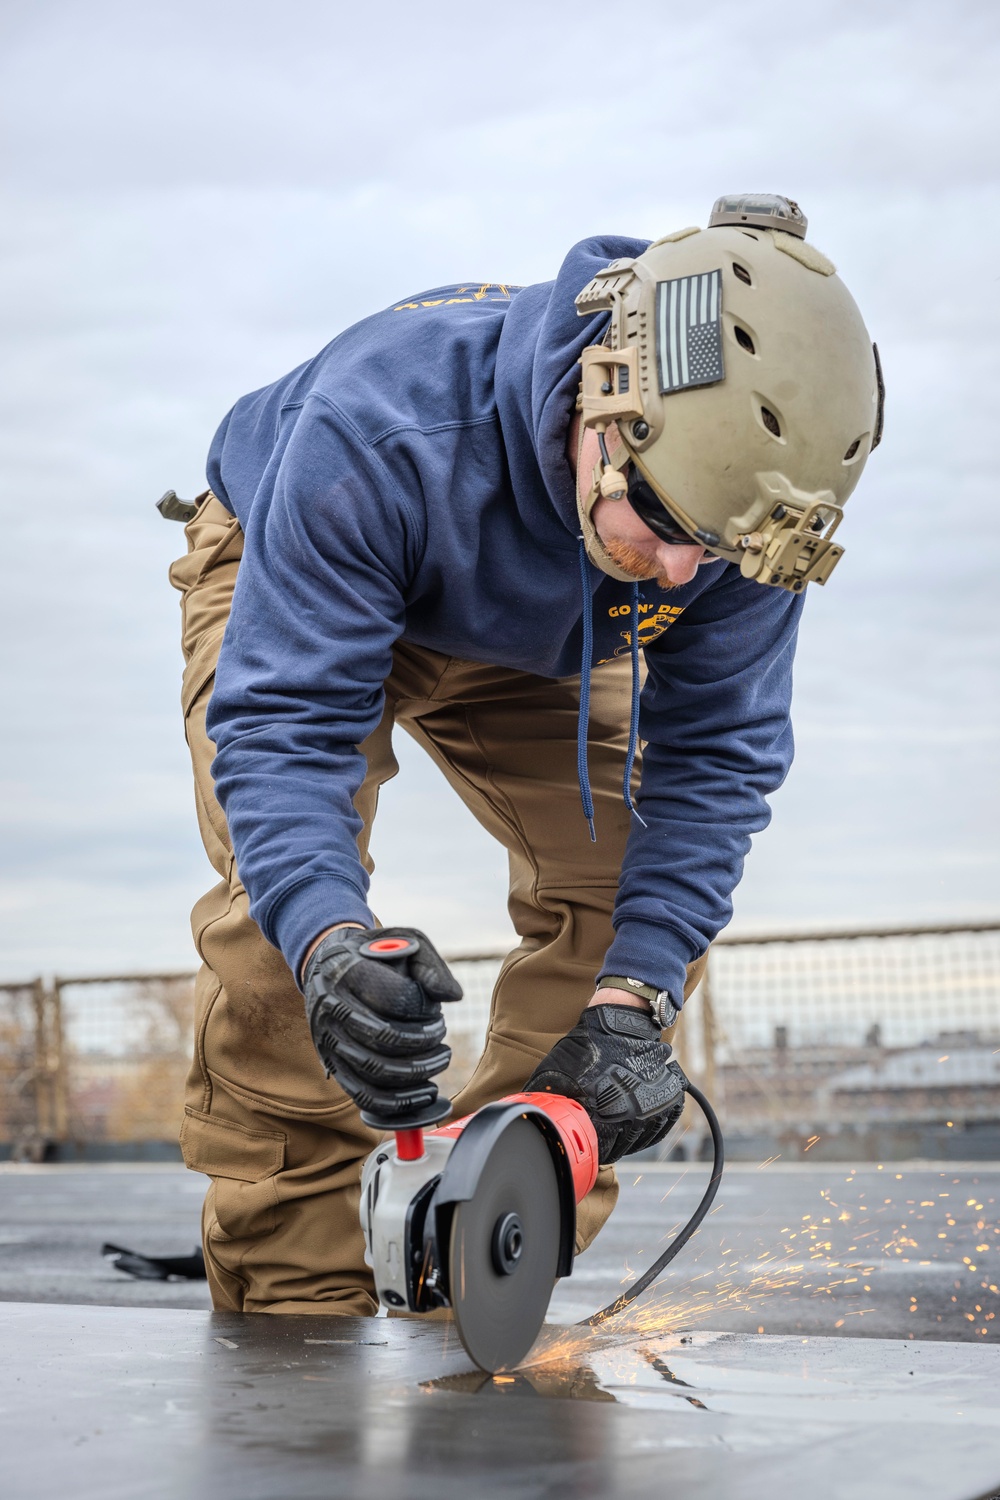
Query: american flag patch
[(689, 331)]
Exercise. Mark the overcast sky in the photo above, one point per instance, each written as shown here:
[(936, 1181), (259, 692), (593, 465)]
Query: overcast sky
[(198, 196)]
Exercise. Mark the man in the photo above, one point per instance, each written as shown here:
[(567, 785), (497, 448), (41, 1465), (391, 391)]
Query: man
[(465, 516)]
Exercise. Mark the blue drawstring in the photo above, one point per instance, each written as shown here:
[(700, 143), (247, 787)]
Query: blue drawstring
[(633, 728), (583, 721)]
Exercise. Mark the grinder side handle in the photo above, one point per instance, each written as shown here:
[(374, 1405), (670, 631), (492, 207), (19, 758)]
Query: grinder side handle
[(409, 1136)]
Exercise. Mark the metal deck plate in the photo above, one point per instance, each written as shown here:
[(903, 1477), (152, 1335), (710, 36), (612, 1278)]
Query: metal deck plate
[(105, 1403)]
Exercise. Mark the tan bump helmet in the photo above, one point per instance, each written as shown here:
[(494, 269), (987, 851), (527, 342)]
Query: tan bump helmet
[(745, 387)]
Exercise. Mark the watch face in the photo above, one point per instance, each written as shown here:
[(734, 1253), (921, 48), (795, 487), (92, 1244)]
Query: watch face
[(665, 1011)]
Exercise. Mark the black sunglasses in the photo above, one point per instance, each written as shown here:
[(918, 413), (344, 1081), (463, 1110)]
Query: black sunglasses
[(650, 509)]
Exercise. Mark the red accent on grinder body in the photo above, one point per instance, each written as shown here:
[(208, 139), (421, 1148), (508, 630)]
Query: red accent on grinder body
[(571, 1120)]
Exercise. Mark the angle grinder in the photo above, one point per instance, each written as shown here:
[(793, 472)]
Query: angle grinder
[(479, 1215)]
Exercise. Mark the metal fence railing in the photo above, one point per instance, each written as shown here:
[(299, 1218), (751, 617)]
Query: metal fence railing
[(800, 1037), (94, 1059), (870, 1042), (31, 1066)]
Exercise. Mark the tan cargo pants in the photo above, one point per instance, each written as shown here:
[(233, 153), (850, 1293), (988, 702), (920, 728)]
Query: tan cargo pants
[(283, 1144)]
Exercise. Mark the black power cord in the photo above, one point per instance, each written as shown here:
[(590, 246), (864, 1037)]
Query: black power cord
[(681, 1238)]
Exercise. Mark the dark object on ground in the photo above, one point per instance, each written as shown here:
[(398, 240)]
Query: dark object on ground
[(156, 1267)]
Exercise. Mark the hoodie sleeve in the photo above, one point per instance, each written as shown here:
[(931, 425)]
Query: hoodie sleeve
[(317, 608), (715, 719)]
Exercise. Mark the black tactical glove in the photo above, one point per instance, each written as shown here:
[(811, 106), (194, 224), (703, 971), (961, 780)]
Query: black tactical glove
[(377, 1025), (614, 1064)]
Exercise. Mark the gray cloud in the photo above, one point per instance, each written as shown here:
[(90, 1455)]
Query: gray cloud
[(201, 195)]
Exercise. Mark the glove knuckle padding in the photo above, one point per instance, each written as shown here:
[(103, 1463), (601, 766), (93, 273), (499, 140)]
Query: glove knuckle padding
[(390, 1071), (383, 1101), (614, 1063), (394, 1038)]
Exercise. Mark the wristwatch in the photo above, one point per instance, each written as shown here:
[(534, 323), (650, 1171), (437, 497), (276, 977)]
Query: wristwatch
[(665, 1011)]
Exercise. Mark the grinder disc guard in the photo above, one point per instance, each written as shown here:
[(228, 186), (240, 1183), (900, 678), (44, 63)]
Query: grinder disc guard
[(504, 1249)]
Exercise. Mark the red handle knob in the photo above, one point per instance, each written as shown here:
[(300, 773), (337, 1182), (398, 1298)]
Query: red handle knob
[(410, 1144)]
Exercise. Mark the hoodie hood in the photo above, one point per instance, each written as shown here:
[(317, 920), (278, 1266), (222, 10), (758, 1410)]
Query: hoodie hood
[(537, 378), (537, 372)]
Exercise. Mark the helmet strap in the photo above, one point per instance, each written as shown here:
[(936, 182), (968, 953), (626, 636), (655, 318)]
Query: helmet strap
[(586, 500)]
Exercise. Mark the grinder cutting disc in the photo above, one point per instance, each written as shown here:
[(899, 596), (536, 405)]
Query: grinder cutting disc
[(505, 1248)]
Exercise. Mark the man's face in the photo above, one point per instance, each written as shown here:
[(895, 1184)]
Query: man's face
[(627, 538), (636, 550)]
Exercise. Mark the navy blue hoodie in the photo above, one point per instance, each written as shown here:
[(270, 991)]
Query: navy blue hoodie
[(411, 482)]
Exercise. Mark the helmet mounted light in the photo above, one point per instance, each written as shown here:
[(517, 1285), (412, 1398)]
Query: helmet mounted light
[(762, 210)]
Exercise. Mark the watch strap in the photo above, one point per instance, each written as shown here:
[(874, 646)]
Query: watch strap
[(634, 986), (665, 1012)]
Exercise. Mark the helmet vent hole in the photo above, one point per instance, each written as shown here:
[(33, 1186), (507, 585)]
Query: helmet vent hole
[(770, 421), (743, 339), (852, 451), (741, 273)]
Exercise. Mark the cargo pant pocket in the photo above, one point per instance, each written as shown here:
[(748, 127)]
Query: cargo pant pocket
[(243, 1165)]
